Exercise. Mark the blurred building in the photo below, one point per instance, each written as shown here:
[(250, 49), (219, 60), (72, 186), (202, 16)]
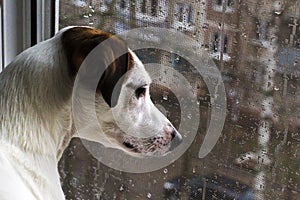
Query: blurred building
[(255, 44)]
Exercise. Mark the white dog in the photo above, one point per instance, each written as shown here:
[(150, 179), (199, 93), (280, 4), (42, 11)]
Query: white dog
[(36, 110)]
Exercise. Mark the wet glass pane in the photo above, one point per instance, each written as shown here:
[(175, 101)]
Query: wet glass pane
[(255, 45)]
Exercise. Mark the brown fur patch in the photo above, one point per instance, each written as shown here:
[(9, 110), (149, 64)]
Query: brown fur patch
[(78, 42)]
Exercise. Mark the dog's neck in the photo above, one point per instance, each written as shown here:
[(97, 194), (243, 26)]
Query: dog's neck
[(37, 108), (35, 117)]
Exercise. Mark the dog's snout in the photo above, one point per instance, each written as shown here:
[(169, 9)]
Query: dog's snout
[(176, 137), (171, 131)]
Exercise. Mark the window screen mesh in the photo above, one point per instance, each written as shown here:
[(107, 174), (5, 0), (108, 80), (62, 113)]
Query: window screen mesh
[(256, 47)]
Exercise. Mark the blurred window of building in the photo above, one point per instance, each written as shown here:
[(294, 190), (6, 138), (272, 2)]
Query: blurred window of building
[(219, 45), (183, 17), (226, 5)]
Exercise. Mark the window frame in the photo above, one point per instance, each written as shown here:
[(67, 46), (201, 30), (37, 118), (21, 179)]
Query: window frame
[(25, 23), (1, 43)]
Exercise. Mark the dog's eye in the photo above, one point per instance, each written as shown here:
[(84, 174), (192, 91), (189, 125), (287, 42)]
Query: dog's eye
[(140, 92)]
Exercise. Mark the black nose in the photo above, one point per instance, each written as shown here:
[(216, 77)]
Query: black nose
[(173, 134), (176, 140)]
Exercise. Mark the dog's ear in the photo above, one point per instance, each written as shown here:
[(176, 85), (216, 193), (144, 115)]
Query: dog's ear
[(78, 42)]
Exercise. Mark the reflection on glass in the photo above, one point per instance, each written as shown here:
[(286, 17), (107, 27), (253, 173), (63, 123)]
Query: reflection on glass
[(256, 45)]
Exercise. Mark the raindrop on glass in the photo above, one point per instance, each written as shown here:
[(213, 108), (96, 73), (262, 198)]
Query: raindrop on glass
[(74, 182), (165, 96), (149, 195), (165, 171)]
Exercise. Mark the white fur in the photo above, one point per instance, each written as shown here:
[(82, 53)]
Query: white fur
[(37, 125)]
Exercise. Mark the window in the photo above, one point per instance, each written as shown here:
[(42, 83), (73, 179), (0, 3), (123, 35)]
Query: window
[(184, 12), (154, 7), (227, 5), (23, 24), (123, 4), (183, 16), (257, 155), (219, 46), (151, 11), (219, 2), (216, 42), (148, 7), (144, 6), (104, 5), (1, 43)]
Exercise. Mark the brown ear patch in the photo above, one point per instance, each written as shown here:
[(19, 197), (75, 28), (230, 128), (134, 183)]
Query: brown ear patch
[(78, 42)]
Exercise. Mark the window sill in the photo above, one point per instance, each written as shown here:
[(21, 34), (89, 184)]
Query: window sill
[(183, 25)]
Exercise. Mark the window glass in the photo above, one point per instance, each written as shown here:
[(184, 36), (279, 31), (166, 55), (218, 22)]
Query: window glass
[(255, 45), (1, 44)]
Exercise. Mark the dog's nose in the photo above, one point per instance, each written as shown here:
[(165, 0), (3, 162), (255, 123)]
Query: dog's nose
[(176, 139), (173, 134)]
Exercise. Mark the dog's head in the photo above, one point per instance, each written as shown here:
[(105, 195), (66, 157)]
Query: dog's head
[(128, 118)]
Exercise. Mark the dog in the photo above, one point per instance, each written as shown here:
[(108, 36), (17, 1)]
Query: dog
[(36, 117)]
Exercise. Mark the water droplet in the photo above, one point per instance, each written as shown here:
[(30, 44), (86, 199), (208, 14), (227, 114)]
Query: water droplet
[(278, 12), (165, 96), (97, 196), (74, 182), (261, 186), (149, 195), (242, 142)]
